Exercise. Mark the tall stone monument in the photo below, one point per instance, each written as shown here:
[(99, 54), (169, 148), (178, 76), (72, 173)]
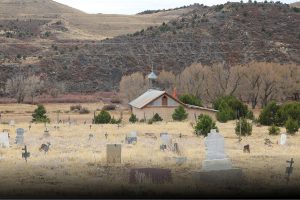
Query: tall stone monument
[(216, 158), (217, 167)]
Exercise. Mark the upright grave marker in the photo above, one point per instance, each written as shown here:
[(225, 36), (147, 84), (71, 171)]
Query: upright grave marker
[(113, 153), (289, 169), (131, 138), (20, 136), (283, 139), (4, 141), (25, 154), (217, 167), (12, 123)]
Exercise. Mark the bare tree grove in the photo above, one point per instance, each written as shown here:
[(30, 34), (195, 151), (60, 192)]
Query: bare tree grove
[(255, 83)]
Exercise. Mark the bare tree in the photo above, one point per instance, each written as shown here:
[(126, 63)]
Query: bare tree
[(132, 86), (193, 80), (251, 83), (15, 87), (224, 81), (33, 86), (166, 80)]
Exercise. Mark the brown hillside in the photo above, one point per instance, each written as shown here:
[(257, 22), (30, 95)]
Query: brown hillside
[(80, 24), (232, 34), (296, 4)]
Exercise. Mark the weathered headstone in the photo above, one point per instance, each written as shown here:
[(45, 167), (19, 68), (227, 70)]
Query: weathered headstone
[(217, 167), (150, 175), (283, 139), (216, 158), (165, 138), (4, 141), (46, 133), (12, 122), (131, 138), (20, 136), (113, 153), (180, 160)]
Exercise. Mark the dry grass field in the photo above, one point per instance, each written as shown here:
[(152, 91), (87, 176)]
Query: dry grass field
[(74, 160)]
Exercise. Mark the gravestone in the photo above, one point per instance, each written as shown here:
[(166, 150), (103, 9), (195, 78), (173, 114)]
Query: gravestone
[(113, 153), (283, 139), (20, 136), (150, 175), (12, 122), (165, 138), (46, 133), (131, 138), (216, 158), (217, 167), (180, 160), (4, 141)]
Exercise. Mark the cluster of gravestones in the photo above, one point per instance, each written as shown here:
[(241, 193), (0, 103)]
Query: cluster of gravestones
[(19, 140)]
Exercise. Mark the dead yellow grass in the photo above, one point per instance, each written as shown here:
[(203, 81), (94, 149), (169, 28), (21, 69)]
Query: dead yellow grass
[(73, 156)]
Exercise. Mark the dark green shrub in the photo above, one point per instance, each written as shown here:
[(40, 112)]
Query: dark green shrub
[(114, 121), (237, 108), (287, 110), (291, 126), (246, 127), (250, 115), (190, 99), (268, 115), (274, 130), (204, 124), (39, 115), (133, 118), (156, 118), (225, 112), (179, 114), (102, 118)]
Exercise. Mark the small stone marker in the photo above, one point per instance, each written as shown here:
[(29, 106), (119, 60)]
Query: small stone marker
[(106, 135), (4, 141), (150, 175), (20, 136), (165, 138), (25, 154), (283, 139), (113, 153), (12, 123), (289, 169), (91, 136), (247, 148), (90, 126), (46, 133), (131, 138)]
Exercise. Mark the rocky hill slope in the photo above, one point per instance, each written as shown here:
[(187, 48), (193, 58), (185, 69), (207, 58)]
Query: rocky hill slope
[(232, 34)]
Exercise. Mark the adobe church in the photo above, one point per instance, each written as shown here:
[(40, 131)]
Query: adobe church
[(157, 101)]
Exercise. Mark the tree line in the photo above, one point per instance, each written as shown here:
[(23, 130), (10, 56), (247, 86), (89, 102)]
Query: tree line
[(255, 83)]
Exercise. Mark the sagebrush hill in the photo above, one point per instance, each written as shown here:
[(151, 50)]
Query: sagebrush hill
[(60, 51)]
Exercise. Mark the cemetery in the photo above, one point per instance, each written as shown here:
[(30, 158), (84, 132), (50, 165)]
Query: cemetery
[(139, 157)]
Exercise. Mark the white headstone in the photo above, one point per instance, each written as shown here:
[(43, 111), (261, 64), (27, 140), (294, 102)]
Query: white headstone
[(4, 141), (165, 138), (216, 158), (282, 139), (12, 122), (132, 134)]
